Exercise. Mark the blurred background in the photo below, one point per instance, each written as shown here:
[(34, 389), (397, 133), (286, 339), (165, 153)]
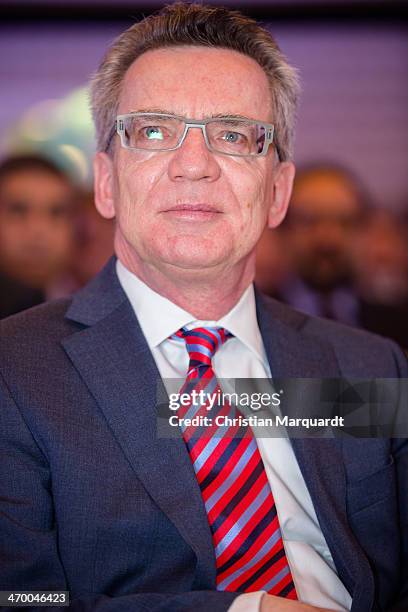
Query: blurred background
[(342, 252)]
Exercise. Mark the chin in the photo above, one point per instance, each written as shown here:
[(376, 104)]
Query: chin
[(192, 253), (188, 260), (194, 263)]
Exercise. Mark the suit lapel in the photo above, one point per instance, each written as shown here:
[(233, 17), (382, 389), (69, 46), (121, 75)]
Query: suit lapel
[(115, 362), (293, 353)]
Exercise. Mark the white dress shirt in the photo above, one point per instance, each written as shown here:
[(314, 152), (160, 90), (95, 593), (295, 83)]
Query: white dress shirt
[(243, 356)]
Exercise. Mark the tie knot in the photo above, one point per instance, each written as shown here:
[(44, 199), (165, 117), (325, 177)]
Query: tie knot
[(202, 343)]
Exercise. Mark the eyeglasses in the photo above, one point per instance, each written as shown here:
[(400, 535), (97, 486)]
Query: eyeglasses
[(240, 137)]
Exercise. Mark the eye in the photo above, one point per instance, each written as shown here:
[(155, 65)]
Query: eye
[(232, 137), (152, 132), (17, 209)]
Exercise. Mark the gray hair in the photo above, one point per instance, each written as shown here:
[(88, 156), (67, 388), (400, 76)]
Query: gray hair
[(194, 24)]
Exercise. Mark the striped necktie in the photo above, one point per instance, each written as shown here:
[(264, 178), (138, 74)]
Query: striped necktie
[(237, 496)]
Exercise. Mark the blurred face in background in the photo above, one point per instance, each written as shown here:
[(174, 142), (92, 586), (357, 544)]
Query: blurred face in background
[(324, 215), (36, 230)]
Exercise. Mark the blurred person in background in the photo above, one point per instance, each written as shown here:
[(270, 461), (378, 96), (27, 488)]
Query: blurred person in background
[(36, 232), (327, 211), (94, 240), (344, 260), (380, 261)]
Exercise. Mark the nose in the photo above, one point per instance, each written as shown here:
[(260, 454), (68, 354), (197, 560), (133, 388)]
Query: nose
[(38, 224), (331, 232), (193, 161)]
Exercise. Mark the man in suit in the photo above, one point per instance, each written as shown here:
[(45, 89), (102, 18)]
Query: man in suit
[(93, 500), (348, 261), (328, 209)]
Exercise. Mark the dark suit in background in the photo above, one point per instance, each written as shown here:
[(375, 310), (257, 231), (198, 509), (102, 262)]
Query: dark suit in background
[(15, 297)]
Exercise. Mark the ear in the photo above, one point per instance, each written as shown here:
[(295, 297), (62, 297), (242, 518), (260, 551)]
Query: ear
[(282, 189), (104, 185)]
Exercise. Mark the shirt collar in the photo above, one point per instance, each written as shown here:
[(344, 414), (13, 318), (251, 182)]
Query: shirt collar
[(159, 318)]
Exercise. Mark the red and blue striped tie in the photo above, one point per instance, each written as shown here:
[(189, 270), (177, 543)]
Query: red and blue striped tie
[(241, 511)]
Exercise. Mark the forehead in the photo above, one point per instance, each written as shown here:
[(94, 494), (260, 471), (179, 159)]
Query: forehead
[(197, 82), (34, 186)]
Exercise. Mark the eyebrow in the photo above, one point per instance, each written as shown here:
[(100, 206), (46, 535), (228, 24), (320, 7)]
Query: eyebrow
[(162, 111)]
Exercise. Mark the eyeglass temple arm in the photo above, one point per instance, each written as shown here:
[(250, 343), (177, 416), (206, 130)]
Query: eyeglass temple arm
[(111, 135)]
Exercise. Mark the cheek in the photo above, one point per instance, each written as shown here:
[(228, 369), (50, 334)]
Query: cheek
[(15, 235), (130, 200), (137, 182), (250, 192)]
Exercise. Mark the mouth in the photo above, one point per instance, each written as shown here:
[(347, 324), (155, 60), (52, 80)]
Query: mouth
[(193, 211)]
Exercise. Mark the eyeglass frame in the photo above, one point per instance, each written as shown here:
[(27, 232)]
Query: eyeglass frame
[(195, 123)]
